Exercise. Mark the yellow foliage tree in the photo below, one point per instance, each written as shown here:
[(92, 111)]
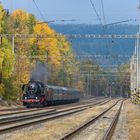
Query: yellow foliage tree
[(20, 22), (55, 50), (6, 64), (68, 63), (46, 46), (8, 59), (2, 16)]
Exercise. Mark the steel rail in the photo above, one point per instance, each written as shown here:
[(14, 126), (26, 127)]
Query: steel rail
[(10, 128), (13, 109), (85, 125), (34, 120), (49, 107), (109, 133), (12, 119), (24, 108), (21, 112)]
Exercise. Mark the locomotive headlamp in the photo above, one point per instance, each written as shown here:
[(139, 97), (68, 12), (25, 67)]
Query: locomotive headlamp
[(36, 97), (25, 97)]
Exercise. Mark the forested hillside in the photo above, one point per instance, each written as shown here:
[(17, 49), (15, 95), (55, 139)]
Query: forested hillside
[(112, 51)]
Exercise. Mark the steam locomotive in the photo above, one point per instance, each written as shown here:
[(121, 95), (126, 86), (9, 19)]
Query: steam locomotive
[(36, 93)]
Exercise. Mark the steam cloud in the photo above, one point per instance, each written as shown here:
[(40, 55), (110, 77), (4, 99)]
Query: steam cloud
[(40, 73)]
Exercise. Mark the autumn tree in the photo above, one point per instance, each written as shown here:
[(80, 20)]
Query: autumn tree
[(69, 68), (123, 80), (20, 22), (53, 50), (94, 81), (6, 58), (6, 66)]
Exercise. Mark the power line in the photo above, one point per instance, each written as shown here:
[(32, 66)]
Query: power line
[(97, 36), (93, 6), (51, 21), (39, 10), (118, 22), (103, 11), (104, 56)]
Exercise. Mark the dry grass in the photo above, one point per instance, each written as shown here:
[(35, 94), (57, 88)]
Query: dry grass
[(133, 121)]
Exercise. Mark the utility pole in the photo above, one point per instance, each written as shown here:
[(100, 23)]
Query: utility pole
[(88, 84), (1, 76), (1, 70), (137, 52), (13, 44)]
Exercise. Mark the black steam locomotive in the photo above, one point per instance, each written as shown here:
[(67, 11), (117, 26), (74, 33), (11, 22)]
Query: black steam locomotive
[(37, 94)]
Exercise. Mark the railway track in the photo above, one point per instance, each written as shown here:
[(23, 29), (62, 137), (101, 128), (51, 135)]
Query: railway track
[(27, 109), (51, 107), (109, 133), (13, 109), (82, 129), (43, 111), (22, 111), (16, 122)]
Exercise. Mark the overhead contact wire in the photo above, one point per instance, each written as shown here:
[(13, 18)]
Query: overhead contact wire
[(93, 6), (103, 11), (42, 16)]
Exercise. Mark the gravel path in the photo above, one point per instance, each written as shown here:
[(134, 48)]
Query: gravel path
[(133, 121), (128, 126)]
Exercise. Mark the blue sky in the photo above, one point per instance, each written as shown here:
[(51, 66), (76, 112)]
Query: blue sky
[(81, 10)]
